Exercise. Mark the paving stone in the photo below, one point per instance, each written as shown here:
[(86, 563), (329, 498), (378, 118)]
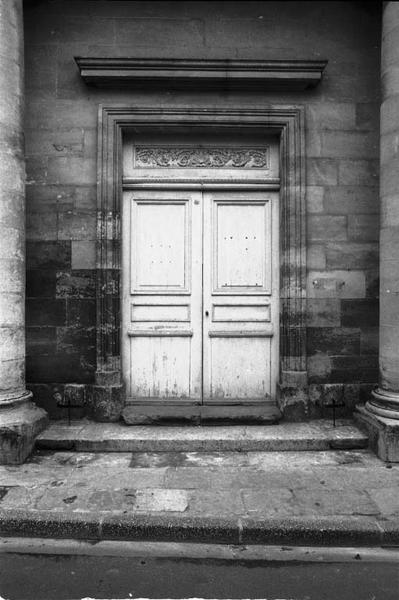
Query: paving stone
[(275, 502), (302, 462), (188, 477), (249, 477), (323, 502), (24, 497), (65, 498), (386, 499), (161, 500), (215, 503), (119, 476)]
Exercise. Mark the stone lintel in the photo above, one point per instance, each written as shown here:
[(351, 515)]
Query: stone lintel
[(383, 433)]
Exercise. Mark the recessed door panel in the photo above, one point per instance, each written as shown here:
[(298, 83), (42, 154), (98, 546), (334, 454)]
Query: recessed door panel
[(240, 246), (161, 367), (239, 368), (241, 312), (161, 236)]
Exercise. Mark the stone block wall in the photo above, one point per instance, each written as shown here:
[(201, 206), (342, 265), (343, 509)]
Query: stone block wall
[(342, 135)]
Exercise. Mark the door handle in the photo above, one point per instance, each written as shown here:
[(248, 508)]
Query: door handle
[(207, 313)]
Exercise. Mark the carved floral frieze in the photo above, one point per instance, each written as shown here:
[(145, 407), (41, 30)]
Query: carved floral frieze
[(202, 157)]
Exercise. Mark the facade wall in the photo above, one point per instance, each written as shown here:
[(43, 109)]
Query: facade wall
[(342, 135)]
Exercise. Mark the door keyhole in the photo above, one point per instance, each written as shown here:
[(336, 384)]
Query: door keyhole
[(207, 313)]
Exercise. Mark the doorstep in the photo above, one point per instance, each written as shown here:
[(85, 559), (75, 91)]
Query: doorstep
[(87, 436)]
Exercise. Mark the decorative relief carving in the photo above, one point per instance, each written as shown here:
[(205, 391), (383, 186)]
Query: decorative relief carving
[(202, 157)]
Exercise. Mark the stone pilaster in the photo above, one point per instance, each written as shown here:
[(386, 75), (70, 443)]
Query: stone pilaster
[(20, 419), (381, 414)]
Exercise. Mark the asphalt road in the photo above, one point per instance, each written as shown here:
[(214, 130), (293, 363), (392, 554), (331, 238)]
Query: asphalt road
[(70, 570)]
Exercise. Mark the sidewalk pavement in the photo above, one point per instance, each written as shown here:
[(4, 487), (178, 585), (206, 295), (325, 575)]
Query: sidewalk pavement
[(335, 497)]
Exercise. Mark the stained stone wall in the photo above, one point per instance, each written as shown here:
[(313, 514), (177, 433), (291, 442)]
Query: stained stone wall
[(342, 116)]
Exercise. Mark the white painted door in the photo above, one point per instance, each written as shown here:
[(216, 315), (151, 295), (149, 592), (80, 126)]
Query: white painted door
[(240, 325), (200, 296), (162, 295)]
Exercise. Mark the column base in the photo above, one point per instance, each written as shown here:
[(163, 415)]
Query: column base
[(383, 432), (20, 422), (384, 403)]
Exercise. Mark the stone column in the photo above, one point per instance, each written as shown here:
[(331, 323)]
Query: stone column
[(381, 415), (20, 419)]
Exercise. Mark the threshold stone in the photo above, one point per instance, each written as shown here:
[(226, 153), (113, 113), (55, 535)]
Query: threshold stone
[(87, 436)]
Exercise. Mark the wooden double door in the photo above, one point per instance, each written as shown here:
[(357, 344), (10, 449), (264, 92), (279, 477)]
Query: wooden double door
[(200, 296)]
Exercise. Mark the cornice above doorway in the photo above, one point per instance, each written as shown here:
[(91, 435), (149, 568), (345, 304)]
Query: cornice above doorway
[(176, 73)]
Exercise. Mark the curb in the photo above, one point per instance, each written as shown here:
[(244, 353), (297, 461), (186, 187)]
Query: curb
[(294, 531)]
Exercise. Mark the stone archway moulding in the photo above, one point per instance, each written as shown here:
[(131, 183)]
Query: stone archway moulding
[(289, 121)]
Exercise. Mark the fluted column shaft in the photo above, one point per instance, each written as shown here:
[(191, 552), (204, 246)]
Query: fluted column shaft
[(12, 204), (20, 419)]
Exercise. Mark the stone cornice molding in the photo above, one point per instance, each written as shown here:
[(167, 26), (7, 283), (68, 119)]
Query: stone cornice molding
[(176, 73)]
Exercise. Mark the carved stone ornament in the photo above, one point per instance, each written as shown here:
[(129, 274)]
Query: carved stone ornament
[(202, 157)]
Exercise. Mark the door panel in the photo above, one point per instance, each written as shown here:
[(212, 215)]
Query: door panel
[(239, 245), (162, 296), (161, 242), (240, 297), (161, 366), (238, 367)]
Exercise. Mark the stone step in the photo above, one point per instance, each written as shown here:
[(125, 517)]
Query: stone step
[(262, 413), (87, 436)]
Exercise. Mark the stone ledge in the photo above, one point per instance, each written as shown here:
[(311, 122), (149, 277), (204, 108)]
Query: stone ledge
[(176, 73), (83, 436), (383, 433), (297, 531)]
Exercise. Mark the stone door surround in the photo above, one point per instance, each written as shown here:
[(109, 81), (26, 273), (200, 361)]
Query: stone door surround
[(288, 121)]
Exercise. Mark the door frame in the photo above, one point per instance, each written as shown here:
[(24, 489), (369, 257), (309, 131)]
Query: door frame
[(203, 194), (288, 121)]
